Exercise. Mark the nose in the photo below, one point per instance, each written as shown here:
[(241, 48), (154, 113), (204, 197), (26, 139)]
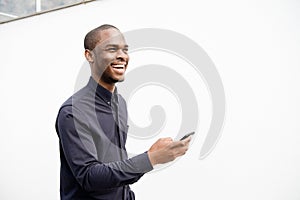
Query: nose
[(122, 55)]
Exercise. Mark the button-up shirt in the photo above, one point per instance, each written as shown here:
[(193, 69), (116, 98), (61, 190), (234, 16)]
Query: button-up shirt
[(92, 130)]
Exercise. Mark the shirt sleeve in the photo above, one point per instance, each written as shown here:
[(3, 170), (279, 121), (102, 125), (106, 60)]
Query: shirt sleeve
[(81, 156)]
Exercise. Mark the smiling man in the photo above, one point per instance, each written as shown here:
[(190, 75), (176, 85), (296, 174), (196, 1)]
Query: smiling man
[(92, 129), (107, 55)]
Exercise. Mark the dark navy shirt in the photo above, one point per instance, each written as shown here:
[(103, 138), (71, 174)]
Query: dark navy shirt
[(92, 130)]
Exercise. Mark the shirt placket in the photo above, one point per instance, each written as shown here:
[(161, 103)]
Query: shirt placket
[(115, 107)]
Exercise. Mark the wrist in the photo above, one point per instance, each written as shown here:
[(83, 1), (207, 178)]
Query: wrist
[(152, 158)]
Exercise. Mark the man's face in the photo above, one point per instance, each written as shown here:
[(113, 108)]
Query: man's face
[(110, 57)]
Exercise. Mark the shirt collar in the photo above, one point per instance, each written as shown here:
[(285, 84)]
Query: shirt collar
[(102, 92)]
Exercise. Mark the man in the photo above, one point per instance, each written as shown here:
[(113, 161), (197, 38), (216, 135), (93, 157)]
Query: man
[(92, 129)]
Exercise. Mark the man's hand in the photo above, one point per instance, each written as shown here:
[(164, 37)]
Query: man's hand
[(165, 150)]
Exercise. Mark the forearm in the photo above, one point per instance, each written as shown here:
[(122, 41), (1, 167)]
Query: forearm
[(115, 174)]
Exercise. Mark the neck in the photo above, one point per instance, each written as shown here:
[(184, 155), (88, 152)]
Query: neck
[(109, 86)]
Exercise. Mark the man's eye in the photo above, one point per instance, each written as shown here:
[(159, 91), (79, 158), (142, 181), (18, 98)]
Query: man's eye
[(112, 49), (125, 50)]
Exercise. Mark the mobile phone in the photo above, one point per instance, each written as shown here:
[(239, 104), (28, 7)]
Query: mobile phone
[(187, 135)]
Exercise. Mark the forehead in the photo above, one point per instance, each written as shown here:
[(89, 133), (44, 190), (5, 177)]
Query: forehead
[(111, 36)]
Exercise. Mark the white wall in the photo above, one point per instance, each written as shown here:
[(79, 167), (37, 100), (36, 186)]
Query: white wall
[(255, 46)]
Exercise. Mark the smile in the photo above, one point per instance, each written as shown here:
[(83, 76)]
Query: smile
[(119, 68)]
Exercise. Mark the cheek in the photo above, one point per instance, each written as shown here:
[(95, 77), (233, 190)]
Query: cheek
[(103, 61)]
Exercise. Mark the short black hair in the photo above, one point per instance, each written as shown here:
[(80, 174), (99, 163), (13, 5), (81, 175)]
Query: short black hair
[(91, 38)]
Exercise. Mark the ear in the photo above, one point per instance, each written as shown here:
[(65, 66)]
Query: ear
[(89, 55)]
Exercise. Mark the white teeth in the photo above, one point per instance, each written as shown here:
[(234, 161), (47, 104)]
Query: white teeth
[(118, 66)]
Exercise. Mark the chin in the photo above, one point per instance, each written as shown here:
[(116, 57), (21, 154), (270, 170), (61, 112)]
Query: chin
[(116, 80), (121, 80)]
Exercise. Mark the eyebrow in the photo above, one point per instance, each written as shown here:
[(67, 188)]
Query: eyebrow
[(116, 45)]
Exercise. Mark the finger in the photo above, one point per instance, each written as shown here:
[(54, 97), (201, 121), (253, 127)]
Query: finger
[(187, 140), (177, 144), (180, 146), (181, 152)]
